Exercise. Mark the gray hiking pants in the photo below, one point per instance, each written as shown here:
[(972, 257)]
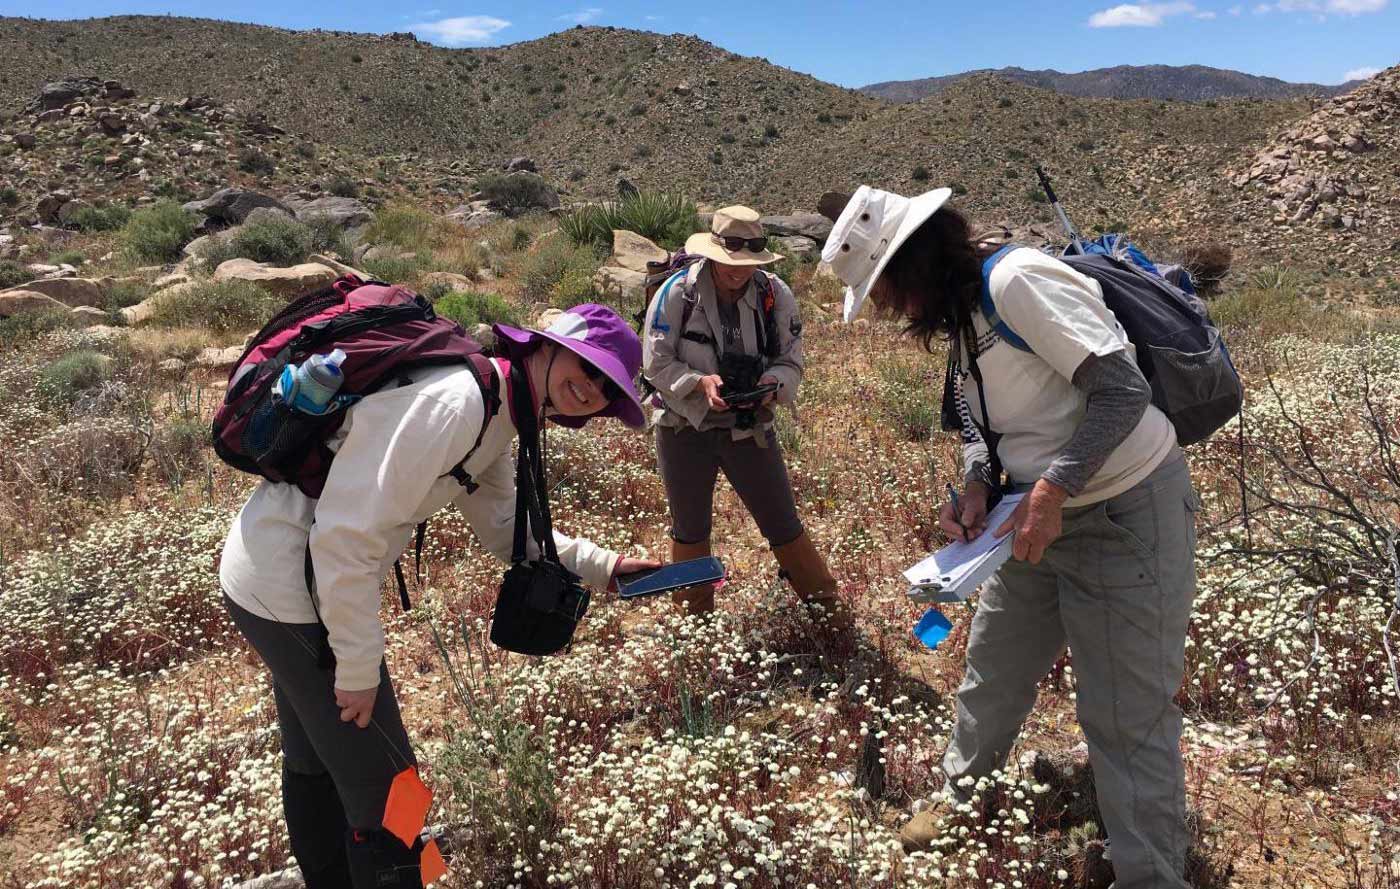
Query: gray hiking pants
[(1117, 587)]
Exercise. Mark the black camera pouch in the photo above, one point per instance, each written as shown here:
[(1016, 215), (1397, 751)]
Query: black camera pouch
[(540, 602)]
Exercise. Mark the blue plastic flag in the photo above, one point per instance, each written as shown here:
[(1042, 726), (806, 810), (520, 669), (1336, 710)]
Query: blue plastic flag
[(932, 628)]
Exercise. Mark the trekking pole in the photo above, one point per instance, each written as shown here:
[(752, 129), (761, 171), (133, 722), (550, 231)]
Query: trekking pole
[(1074, 240)]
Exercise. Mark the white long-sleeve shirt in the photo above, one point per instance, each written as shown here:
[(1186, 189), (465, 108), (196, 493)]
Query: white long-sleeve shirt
[(393, 453)]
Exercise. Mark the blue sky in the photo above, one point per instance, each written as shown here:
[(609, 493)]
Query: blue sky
[(854, 43)]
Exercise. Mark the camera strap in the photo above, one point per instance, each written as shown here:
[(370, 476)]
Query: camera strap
[(531, 489)]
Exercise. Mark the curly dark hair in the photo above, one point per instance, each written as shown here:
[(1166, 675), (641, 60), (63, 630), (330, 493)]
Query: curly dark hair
[(933, 280)]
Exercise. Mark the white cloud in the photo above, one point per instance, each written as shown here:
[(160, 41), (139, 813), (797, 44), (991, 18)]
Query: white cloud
[(1356, 7), (1205, 16), (460, 31), (582, 16), (1360, 74), (1236, 10), (1138, 15)]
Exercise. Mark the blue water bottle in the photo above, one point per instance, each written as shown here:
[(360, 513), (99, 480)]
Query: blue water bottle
[(311, 386)]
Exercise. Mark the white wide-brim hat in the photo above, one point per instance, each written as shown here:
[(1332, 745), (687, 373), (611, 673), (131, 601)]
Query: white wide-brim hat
[(868, 232)]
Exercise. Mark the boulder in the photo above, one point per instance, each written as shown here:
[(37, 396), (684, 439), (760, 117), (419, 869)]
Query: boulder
[(808, 225), (632, 251), (267, 214), (51, 205), (172, 366), (290, 282), (69, 211), (27, 302), (521, 165), (71, 292), (89, 316), (796, 246), (339, 268), (218, 359), (344, 212), (832, 203), (475, 215), (547, 317), (25, 140), (484, 335), (450, 280), (381, 252), (231, 206), (620, 285)]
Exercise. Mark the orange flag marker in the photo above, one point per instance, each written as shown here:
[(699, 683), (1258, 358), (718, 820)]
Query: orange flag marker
[(430, 863), (406, 809)]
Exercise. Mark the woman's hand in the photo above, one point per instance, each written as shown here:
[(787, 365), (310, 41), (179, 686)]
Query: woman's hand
[(627, 565), (356, 706), (1036, 521), (770, 380), (710, 386), (973, 519)]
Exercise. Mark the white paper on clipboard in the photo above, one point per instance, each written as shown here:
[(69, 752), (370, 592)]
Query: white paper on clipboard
[(958, 569)]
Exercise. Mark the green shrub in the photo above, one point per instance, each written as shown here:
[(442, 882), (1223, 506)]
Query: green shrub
[(343, 186), (908, 396), (517, 191), (666, 219), (250, 160), (1036, 196), (23, 329), (559, 272), (120, 296), (920, 174), (218, 306), (403, 226), (9, 196), (64, 379), (157, 233), (469, 308), (395, 269), (101, 219), (276, 239), (67, 257), (12, 274)]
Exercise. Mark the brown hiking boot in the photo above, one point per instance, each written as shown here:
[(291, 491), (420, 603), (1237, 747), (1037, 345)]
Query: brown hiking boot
[(693, 599), (806, 570), (918, 835)]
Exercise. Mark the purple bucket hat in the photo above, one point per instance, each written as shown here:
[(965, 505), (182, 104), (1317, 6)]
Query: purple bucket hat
[(598, 335)]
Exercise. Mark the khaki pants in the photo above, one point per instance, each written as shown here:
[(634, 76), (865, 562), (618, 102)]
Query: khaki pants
[(1117, 586)]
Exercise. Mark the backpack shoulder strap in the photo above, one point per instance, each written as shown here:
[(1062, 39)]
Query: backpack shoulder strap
[(989, 309), (490, 383), (656, 321), (768, 311)]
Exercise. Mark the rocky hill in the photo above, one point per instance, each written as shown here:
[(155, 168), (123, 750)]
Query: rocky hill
[(1191, 83)]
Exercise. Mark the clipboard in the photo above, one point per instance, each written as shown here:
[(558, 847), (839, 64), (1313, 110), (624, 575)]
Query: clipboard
[(957, 570)]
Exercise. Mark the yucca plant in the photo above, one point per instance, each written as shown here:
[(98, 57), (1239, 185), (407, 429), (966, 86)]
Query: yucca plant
[(667, 219)]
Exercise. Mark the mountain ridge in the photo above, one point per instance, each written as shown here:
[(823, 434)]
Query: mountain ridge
[(1179, 82)]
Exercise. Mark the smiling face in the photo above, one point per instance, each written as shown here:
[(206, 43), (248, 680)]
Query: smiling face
[(731, 277), (573, 389)]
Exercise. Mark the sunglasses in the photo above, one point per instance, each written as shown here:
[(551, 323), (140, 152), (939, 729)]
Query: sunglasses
[(734, 244), (611, 391)]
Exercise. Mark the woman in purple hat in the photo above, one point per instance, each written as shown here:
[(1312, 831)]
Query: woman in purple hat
[(398, 457)]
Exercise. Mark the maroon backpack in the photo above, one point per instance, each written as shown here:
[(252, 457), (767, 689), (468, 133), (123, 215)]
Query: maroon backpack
[(385, 331)]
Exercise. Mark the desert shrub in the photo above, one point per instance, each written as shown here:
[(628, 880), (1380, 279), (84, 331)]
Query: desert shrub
[(1208, 263), (177, 449), (9, 196), (343, 186), (470, 308), (94, 455), (157, 233), (403, 226), (120, 296), (276, 239), (666, 219), (920, 174), (67, 257), (327, 236), (101, 219), (1036, 196), (217, 306), (396, 269), (12, 274), (25, 328), (64, 379), (558, 272), (251, 160), (908, 396), (517, 191)]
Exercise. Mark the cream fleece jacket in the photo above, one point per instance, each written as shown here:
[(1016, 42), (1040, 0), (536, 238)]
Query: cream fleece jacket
[(393, 453)]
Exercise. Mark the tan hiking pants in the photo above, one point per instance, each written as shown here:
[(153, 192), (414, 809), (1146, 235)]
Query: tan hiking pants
[(1117, 586)]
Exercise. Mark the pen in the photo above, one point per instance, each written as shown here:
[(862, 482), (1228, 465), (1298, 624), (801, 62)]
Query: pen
[(957, 508)]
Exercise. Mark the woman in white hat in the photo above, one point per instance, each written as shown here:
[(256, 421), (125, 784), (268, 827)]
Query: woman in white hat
[(1105, 537), (722, 344)]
